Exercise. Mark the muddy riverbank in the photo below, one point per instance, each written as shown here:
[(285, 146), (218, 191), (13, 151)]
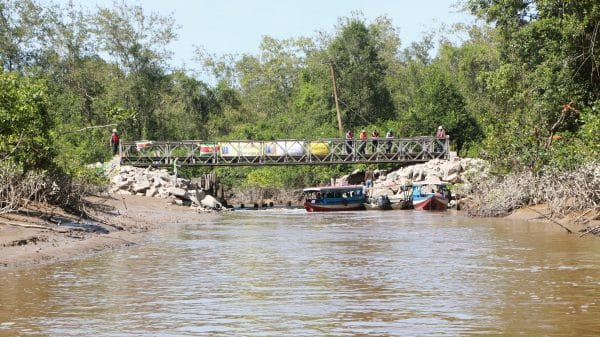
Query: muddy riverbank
[(43, 234)]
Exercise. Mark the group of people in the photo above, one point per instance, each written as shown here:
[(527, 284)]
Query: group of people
[(362, 137)]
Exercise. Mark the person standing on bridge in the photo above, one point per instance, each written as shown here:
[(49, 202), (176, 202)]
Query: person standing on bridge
[(375, 139), (349, 138), (389, 135), (441, 139), (363, 141), (114, 142)]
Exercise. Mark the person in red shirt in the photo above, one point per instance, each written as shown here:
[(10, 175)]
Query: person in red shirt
[(441, 133), (349, 137), (375, 139), (363, 141), (114, 142)]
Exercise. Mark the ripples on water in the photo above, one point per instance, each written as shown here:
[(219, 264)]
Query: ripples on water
[(289, 273)]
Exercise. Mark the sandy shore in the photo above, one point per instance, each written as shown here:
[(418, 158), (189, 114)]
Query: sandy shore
[(53, 235), (127, 220), (574, 222)]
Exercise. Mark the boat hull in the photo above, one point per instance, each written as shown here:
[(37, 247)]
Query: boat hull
[(431, 203), (402, 205), (314, 207)]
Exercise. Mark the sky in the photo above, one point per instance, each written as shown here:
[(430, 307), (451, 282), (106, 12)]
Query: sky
[(236, 26)]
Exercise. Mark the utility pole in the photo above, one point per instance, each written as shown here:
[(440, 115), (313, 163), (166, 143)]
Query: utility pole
[(337, 105)]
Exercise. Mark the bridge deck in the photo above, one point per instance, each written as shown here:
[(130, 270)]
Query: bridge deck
[(283, 152)]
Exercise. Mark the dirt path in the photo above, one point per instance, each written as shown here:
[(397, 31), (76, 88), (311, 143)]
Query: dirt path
[(58, 236)]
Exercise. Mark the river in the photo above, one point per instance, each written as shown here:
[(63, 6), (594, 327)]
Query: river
[(291, 273)]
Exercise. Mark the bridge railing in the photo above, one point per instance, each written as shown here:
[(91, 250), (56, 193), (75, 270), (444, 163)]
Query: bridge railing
[(283, 152)]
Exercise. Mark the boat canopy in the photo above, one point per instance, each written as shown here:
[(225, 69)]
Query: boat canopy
[(333, 189)]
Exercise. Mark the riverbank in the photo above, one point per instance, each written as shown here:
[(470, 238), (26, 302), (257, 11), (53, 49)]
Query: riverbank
[(42, 234), (576, 222)]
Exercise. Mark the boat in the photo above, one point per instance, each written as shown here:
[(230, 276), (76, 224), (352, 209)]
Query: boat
[(402, 199), (400, 203), (430, 195), (379, 203), (334, 198)]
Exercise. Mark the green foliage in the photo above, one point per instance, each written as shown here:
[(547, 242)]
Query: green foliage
[(185, 109), (360, 73), (547, 61), (440, 103), (137, 42), (24, 33), (24, 122), (589, 131), (291, 177)]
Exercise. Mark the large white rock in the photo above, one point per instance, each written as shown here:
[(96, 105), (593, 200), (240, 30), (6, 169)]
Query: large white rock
[(406, 172), (163, 193), (210, 202), (452, 167), (125, 169), (404, 182), (117, 179), (151, 192), (381, 191), (141, 186), (433, 177), (452, 178), (418, 174), (121, 183), (195, 196), (176, 191), (166, 177)]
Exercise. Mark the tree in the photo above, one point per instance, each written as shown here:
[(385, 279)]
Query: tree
[(185, 110), (439, 102), (24, 33), (355, 53), (138, 44), (548, 59), (25, 123)]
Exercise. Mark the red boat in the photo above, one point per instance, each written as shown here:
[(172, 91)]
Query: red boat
[(430, 195)]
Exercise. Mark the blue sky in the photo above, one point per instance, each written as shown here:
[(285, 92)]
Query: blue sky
[(237, 26)]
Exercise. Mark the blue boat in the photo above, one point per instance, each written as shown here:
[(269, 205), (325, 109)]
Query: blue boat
[(334, 198), (430, 195)]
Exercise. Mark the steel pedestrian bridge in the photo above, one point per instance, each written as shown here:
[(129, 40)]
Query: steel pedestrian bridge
[(404, 151)]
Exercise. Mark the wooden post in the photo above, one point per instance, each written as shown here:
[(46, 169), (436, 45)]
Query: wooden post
[(337, 104)]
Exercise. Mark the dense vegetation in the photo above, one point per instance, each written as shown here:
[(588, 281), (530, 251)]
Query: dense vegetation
[(521, 90)]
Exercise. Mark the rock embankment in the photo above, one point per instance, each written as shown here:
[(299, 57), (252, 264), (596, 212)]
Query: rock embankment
[(454, 171), (159, 183), (459, 171)]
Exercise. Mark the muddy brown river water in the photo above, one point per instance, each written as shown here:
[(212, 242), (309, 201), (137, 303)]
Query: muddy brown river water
[(289, 273)]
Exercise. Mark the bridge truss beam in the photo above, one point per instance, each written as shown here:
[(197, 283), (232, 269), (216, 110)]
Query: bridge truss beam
[(283, 152)]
